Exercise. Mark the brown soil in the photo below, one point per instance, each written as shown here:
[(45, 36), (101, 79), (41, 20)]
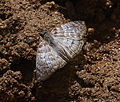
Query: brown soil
[(93, 76)]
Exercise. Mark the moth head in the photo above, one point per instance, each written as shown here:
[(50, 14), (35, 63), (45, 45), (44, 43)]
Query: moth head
[(42, 32)]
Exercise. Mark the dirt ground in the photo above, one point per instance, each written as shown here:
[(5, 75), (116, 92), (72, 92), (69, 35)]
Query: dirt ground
[(93, 76)]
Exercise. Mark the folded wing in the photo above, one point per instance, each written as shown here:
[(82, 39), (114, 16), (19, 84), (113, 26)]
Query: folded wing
[(47, 61), (68, 38)]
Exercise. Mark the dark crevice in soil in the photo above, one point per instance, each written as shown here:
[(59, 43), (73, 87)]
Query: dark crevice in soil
[(4, 16), (26, 68), (84, 84)]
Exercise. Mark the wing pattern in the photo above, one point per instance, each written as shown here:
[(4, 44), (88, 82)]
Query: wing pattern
[(63, 43), (69, 37), (47, 61)]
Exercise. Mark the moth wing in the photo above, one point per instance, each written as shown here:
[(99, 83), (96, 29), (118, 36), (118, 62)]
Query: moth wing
[(69, 37), (47, 61)]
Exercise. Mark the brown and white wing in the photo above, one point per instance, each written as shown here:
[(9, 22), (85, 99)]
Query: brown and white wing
[(47, 61), (69, 38)]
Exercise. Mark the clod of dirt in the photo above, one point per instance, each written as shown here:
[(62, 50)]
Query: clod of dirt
[(99, 80), (4, 66), (11, 89)]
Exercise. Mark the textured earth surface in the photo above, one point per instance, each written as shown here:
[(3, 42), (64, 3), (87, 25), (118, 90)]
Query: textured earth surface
[(93, 76)]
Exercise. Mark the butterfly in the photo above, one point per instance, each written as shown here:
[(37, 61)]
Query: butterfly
[(59, 46)]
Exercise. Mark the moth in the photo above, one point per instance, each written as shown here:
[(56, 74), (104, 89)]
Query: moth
[(59, 46)]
